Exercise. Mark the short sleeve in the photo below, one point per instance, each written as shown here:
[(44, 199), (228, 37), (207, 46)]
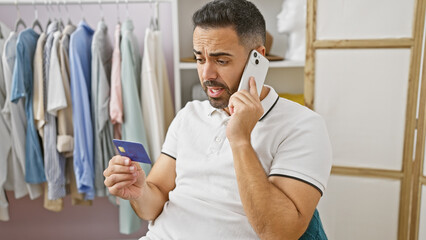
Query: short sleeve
[(18, 84), (305, 154), (171, 141)]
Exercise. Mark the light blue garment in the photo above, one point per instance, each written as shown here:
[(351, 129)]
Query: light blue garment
[(80, 68), (101, 75), (14, 114), (54, 162), (133, 126), (22, 87)]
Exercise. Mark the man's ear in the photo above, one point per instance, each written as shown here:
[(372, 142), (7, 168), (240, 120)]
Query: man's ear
[(262, 50)]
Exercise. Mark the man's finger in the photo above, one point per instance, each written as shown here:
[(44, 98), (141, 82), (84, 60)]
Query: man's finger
[(117, 178), (114, 169), (253, 87), (119, 160)]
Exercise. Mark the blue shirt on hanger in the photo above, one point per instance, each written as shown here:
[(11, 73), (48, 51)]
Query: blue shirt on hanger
[(80, 71), (22, 87)]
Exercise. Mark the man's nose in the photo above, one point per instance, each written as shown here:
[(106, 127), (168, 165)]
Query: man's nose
[(209, 71)]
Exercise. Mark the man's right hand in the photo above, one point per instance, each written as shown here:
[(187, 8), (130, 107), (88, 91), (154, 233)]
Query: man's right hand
[(124, 178)]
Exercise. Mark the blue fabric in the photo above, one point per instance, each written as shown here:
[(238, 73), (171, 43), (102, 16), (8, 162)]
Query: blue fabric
[(22, 87), (315, 230), (80, 71)]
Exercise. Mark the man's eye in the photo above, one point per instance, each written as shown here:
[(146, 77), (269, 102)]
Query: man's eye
[(222, 62), (200, 60)]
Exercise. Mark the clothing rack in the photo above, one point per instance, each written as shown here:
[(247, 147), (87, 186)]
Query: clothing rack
[(77, 2), (175, 24)]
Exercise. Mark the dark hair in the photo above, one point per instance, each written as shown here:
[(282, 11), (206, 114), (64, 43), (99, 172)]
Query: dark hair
[(242, 15)]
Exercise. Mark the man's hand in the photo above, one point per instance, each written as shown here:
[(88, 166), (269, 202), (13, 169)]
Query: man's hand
[(124, 178), (245, 109)]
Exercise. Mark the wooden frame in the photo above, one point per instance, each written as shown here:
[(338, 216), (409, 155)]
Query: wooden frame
[(369, 43), (418, 176), (411, 174)]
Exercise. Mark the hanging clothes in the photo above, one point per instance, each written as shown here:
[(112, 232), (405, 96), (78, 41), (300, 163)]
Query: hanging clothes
[(133, 127), (157, 105), (38, 86), (116, 101), (6, 147), (22, 86), (101, 73), (80, 66), (65, 144), (54, 162), (163, 79), (14, 114)]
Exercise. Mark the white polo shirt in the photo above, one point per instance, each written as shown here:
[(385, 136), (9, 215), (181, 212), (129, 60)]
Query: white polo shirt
[(290, 141)]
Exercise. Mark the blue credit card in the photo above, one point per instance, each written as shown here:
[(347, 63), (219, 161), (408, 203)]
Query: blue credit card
[(133, 150)]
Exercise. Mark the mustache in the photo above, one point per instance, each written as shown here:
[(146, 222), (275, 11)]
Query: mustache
[(210, 83)]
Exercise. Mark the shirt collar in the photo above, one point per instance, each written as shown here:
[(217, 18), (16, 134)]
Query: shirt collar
[(102, 26), (69, 29), (127, 25), (53, 26), (267, 103), (84, 25)]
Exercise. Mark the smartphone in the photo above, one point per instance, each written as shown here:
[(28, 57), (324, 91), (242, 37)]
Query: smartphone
[(133, 150), (257, 66)]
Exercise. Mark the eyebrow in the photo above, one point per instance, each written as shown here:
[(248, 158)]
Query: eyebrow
[(213, 54)]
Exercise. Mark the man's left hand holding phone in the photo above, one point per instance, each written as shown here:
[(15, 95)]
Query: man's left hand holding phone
[(124, 176)]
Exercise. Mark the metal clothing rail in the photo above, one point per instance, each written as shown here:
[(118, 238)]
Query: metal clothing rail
[(175, 24), (78, 2)]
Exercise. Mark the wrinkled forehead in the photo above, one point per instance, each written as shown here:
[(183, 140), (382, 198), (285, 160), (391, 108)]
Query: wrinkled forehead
[(216, 39)]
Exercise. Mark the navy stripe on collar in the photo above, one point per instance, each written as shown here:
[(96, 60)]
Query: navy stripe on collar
[(273, 105)]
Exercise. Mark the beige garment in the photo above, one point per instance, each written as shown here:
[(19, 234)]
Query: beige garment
[(38, 89), (76, 197), (164, 84), (156, 102), (65, 144), (53, 205)]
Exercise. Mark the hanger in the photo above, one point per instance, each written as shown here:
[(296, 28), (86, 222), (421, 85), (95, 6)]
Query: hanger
[(82, 11), (61, 23), (118, 11), (36, 22), (153, 23), (49, 20), (20, 21), (102, 10), (127, 9), (68, 13)]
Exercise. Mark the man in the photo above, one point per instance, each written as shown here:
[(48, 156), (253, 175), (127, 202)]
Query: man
[(236, 166)]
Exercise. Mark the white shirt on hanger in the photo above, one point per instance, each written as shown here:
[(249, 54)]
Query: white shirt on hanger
[(156, 101)]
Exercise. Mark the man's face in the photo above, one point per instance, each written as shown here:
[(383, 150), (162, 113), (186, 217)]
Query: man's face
[(220, 62)]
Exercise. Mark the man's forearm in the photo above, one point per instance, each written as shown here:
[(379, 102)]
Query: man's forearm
[(151, 202), (270, 212)]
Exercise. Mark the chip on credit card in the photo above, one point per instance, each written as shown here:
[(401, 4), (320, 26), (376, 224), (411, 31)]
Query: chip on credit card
[(133, 150)]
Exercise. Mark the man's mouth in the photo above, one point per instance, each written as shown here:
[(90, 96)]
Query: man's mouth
[(215, 92)]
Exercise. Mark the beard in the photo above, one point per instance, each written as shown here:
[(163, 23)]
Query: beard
[(222, 101)]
